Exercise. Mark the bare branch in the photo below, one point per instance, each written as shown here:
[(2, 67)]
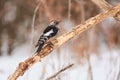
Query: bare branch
[(51, 45), (118, 74), (102, 4), (33, 22), (62, 70), (69, 9), (105, 6)]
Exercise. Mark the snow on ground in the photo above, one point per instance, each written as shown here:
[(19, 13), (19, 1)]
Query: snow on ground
[(106, 66)]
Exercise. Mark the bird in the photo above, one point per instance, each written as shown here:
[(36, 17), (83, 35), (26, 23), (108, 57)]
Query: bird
[(51, 31)]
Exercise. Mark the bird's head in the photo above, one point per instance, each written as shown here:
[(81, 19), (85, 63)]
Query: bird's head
[(54, 22)]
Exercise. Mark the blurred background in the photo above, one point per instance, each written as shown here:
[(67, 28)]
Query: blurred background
[(95, 53)]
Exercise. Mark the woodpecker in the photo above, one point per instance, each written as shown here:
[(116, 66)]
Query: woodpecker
[(48, 33)]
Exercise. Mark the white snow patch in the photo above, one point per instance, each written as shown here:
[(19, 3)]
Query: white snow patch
[(104, 67)]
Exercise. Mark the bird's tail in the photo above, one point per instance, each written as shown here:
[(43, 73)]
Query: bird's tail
[(41, 42), (39, 47), (36, 45)]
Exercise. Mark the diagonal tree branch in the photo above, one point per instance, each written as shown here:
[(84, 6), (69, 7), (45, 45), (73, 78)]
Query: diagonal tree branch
[(102, 4), (105, 6), (56, 74), (51, 45)]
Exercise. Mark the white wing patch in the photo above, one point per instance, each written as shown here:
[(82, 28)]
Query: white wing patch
[(48, 33)]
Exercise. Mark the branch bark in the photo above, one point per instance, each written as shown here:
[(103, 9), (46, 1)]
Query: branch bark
[(51, 45), (105, 6)]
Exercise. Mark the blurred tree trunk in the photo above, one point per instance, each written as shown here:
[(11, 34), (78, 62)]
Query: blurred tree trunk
[(0, 46)]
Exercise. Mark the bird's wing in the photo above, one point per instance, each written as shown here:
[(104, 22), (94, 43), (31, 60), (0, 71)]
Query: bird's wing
[(47, 29)]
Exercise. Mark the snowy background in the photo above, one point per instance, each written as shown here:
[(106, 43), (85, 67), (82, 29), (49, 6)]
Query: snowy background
[(106, 66)]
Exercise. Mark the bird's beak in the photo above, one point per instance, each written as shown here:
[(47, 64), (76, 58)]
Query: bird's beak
[(58, 21)]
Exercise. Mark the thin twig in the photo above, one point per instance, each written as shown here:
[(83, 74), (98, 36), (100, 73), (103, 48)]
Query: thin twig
[(89, 68), (33, 22), (56, 42), (62, 70), (118, 74), (69, 9)]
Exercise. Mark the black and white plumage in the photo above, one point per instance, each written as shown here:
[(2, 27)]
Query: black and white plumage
[(48, 33)]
